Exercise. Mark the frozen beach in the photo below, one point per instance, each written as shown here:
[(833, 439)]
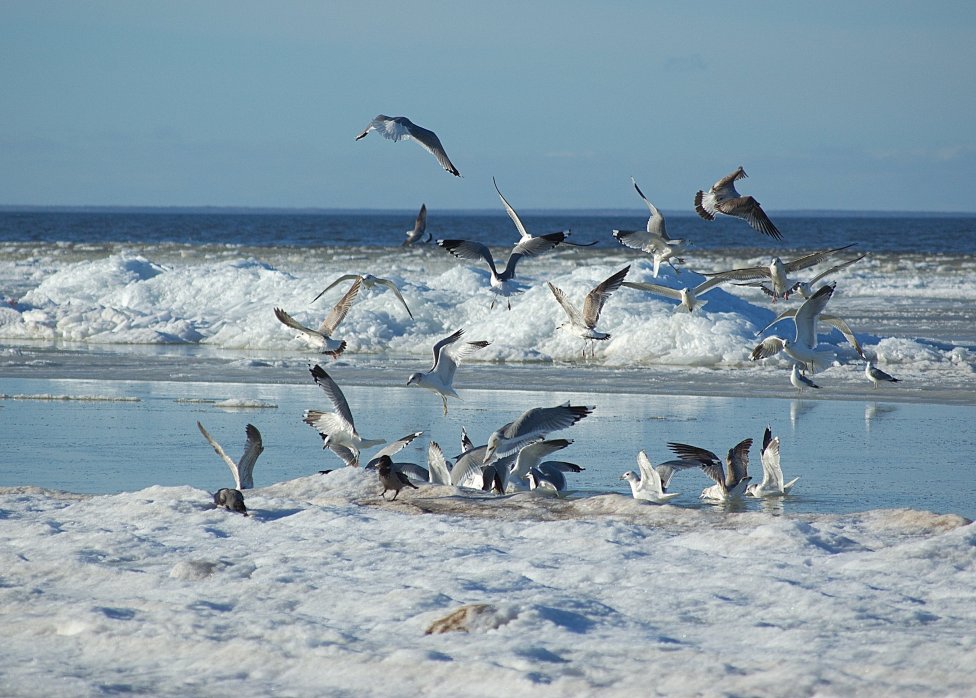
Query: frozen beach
[(119, 576)]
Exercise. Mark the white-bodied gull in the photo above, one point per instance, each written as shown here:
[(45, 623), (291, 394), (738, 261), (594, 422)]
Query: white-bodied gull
[(803, 347), (876, 375), (242, 470), (533, 425), (648, 487), (805, 288), (397, 128), (799, 380), (321, 338), (447, 355), (826, 318), (688, 298), (777, 271), (367, 281), (523, 232), (583, 324), (337, 428), (654, 240), (723, 198), (772, 482)]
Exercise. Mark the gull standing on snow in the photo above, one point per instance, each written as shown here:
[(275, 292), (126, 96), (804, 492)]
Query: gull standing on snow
[(648, 487), (583, 324), (392, 479), (654, 241), (337, 429), (728, 485), (367, 281), (440, 377), (799, 380), (723, 198), (772, 482), (876, 375), (396, 128), (503, 284), (242, 470), (321, 338), (687, 297), (803, 346), (419, 228), (777, 272)]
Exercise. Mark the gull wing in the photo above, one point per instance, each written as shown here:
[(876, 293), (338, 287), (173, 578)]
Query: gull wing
[(655, 224), (467, 249), (650, 478), (771, 346), (437, 465), (738, 462), (748, 209), (220, 452), (806, 316), (772, 472), (531, 456), (439, 348), (429, 141), (395, 447), (597, 298), (287, 320), (420, 225), (728, 180), (575, 316), (742, 274), (253, 447), (833, 269), (668, 468), (393, 287), (347, 455), (523, 233), (705, 285), (452, 357), (845, 330), (467, 465), (788, 313), (813, 258), (654, 288), (338, 400), (344, 277), (542, 420), (333, 319), (531, 247)]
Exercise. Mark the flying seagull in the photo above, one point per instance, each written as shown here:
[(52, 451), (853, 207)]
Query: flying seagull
[(396, 128), (777, 271), (728, 485), (367, 281), (419, 228), (321, 338), (803, 347), (838, 323), (523, 232), (723, 198), (687, 297), (654, 241), (805, 288), (772, 482), (242, 470), (440, 377), (503, 283), (583, 323), (337, 429)]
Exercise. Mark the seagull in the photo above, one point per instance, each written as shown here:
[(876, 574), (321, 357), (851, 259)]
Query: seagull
[(803, 346), (321, 338), (395, 128), (648, 487), (242, 470), (550, 478), (723, 198), (831, 320), (337, 428), (419, 228), (232, 500), (583, 323), (687, 297), (777, 271), (437, 470), (392, 479), (440, 377), (524, 234), (530, 457), (772, 482), (367, 281), (532, 426), (876, 375), (799, 380), (729, 485), (503, 284), (393, 448), (654, 241)]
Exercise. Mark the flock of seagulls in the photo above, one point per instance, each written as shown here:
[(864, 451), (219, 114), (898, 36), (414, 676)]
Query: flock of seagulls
[(513, 457)]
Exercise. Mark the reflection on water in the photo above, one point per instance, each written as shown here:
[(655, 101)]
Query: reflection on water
[(850, 456)]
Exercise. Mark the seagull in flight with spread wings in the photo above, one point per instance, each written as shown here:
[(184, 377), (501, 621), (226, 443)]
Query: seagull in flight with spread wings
[(654, 240), (368, 281), (242, 470), (447, 356), (723, 198), (777, 271), (583, 323), (419, 228), (321, 338), (397, 128)]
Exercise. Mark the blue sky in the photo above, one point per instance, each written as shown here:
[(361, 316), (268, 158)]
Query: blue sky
[(828, 105)]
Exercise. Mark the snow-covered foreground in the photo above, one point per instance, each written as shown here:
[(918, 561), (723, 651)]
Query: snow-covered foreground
[(327, 590)]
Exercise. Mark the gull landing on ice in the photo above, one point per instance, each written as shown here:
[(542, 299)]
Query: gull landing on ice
[(447, 357)]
